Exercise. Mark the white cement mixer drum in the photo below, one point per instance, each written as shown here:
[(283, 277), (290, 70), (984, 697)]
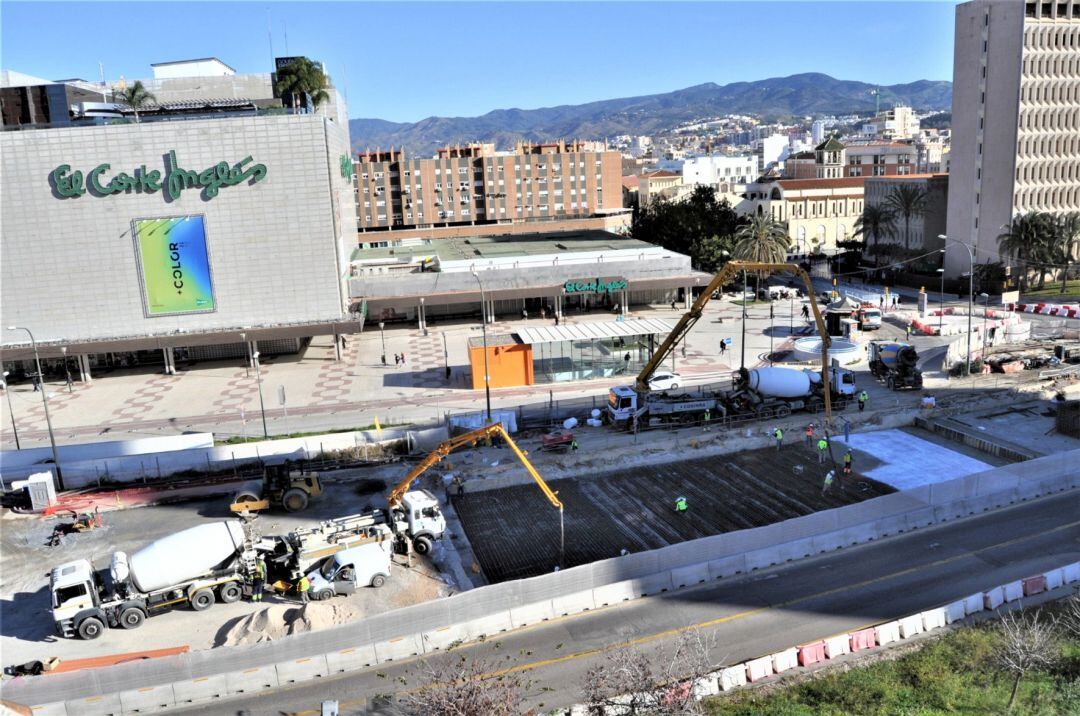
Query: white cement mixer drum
[(185, 555)]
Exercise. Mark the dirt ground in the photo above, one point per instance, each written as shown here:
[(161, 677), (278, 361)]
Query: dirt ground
[(26, 628), (515, 532)]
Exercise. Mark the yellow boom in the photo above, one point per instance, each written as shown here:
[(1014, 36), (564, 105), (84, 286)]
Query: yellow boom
[(688, 319)]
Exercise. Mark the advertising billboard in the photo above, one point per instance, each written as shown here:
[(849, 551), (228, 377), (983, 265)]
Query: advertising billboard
[(174, 265)]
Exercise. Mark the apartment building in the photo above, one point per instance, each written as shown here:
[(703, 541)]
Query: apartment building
[(1015, 120), (659, 184), (899, 122), (879, 159), (468, 188), (726, 174)]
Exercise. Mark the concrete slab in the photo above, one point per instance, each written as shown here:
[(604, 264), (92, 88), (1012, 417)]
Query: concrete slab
[(909, 461)]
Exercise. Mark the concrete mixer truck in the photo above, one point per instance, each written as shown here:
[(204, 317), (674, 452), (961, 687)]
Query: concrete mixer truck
[(774, 391), (896, 364), (197, 567)]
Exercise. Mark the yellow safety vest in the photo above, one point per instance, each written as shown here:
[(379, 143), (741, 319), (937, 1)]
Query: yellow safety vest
[(304, 585)]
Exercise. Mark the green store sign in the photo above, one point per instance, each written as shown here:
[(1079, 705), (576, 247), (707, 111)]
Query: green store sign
[(347, 170), (172, 182), (596, 285)]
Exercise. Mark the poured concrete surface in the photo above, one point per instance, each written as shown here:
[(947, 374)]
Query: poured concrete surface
[(907, 461), (515, 532)]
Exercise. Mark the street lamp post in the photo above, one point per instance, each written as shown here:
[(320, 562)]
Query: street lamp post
[(382, 335), (14, 428), (483, 325), (941, 302), (45, 401), (262, 405), (742, 344), (971, 290), (67, 373), (247, 349), (986, 308)]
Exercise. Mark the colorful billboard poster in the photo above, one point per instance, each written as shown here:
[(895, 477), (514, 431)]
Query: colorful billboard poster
[(174, 265)]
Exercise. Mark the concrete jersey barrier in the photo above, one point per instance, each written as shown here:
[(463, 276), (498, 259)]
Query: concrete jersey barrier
[(487, 611)]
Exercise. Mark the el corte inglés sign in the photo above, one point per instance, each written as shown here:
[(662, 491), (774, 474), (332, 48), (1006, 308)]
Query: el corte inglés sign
[(595, 285), (100, 182)]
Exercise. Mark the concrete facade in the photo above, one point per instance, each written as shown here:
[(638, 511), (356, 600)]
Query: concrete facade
[(818, 213), (925, 228), (1015, 120), (276, 247)]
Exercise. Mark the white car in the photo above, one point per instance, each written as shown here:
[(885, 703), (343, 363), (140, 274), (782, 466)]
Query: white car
[(665, 381)]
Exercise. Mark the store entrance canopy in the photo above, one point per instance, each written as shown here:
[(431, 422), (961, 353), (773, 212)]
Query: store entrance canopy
[(588, 331)]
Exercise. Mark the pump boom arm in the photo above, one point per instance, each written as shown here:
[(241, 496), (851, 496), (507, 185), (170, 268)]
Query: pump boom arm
[(688, 319), (470, 438)]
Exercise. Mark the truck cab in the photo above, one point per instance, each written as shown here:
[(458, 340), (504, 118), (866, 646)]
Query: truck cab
[(622, 403), (842, 382), (423, 520), (366, 565), (74, 591), (869, 318)]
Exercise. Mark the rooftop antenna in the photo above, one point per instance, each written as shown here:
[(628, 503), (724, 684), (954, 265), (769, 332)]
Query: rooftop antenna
[(877, 100), (101, 69), (270, 37), (285, 28)]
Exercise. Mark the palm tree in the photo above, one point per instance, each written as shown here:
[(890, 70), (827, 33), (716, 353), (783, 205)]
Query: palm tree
[(1026, 238), (908, 201), (137, 97), (875, 222), (1068, 242), (762, 239), (302, 77)]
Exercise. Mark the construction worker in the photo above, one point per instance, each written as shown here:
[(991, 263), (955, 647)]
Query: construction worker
[(708, 417), (681, 505), (779, 435), (573, 444), (809, 435), (258, 582), (822, 449), (908, 329), (829, 477), (304, 587), (863, 397), (847, 462), (806, 312)]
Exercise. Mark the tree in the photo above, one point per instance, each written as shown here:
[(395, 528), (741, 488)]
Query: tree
[(302, 77), (1068, 243), (631, 681), (1028, 642), (701, 227), (875, 222), (762, 239), (459, 685), (908, 201), (137, 97), (1026, 239)]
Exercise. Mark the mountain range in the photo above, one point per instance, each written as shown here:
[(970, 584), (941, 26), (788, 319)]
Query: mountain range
[(777, 98)]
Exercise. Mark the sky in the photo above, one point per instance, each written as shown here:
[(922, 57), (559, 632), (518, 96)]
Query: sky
[(405, 61)]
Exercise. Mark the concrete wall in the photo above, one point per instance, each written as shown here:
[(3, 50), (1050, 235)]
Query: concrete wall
[(70, 270)]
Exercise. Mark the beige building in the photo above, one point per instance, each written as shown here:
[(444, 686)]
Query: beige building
[(662, 183), (1015, 119), (818, 213), (879, 159), (474, 190)]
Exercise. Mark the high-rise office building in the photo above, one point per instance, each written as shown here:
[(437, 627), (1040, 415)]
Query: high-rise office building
[(1015, 120)]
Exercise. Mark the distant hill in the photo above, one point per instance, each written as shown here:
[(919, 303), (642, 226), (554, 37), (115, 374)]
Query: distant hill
[(776, 98)]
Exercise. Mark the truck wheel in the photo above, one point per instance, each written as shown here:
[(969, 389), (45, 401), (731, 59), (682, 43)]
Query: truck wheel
[(783, 411), (423, 544), (202, 600), (324, 594), (132, 618), (229, 593), (294, 500), (378, 580), (90, 628)]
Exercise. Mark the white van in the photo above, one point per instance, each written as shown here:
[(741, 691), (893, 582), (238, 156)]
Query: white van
[(366, 565)]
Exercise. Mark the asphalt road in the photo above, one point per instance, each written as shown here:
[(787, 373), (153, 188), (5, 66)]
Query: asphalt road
[(747, 616)]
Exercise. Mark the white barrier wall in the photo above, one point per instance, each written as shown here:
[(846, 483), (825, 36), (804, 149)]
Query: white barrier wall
[(486, 611), (11, 459)]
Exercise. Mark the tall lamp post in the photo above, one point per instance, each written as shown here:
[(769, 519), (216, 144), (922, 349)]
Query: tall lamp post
[(941, 300), (14, 428), (971, 290), (742, 346), (986, 308), (262, 405), (45, 401), (483, 321), (382, 335)]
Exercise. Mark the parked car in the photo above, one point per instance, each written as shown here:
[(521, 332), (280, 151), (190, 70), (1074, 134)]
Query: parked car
[(665, 381)]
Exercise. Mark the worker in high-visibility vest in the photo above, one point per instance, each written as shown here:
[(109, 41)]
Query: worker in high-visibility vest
[(822, 448), (847, 462), (258, 582), (304, 587), (863, 397), (681, 504), (809, 435), (829, 477)]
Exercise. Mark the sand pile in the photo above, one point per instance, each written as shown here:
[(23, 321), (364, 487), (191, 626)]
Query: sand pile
[(277, 621)]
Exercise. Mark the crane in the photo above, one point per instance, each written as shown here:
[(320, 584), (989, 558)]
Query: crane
[(688, 319), (472, 438)]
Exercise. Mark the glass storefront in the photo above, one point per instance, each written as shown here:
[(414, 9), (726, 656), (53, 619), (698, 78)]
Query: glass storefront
[(584, 358)]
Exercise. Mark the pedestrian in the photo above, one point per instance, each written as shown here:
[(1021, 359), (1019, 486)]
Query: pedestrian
[(708, 417), (343, 342), (779, 435), (908, 329), (673, 302), (543, 312), (573, 444), (397, 360), (384, 359), (806, 313), (829, 477), (863, 397), (524, 315), (34, 380), (683, 349), (847, 462), (626, 359), (403, 358), (304, 587), (723, 348), (449, 372), (809, 435), (881, 302), (822, 450), (896, 300), (258, 581), (847, 430), (556, 319), (681, 505)]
